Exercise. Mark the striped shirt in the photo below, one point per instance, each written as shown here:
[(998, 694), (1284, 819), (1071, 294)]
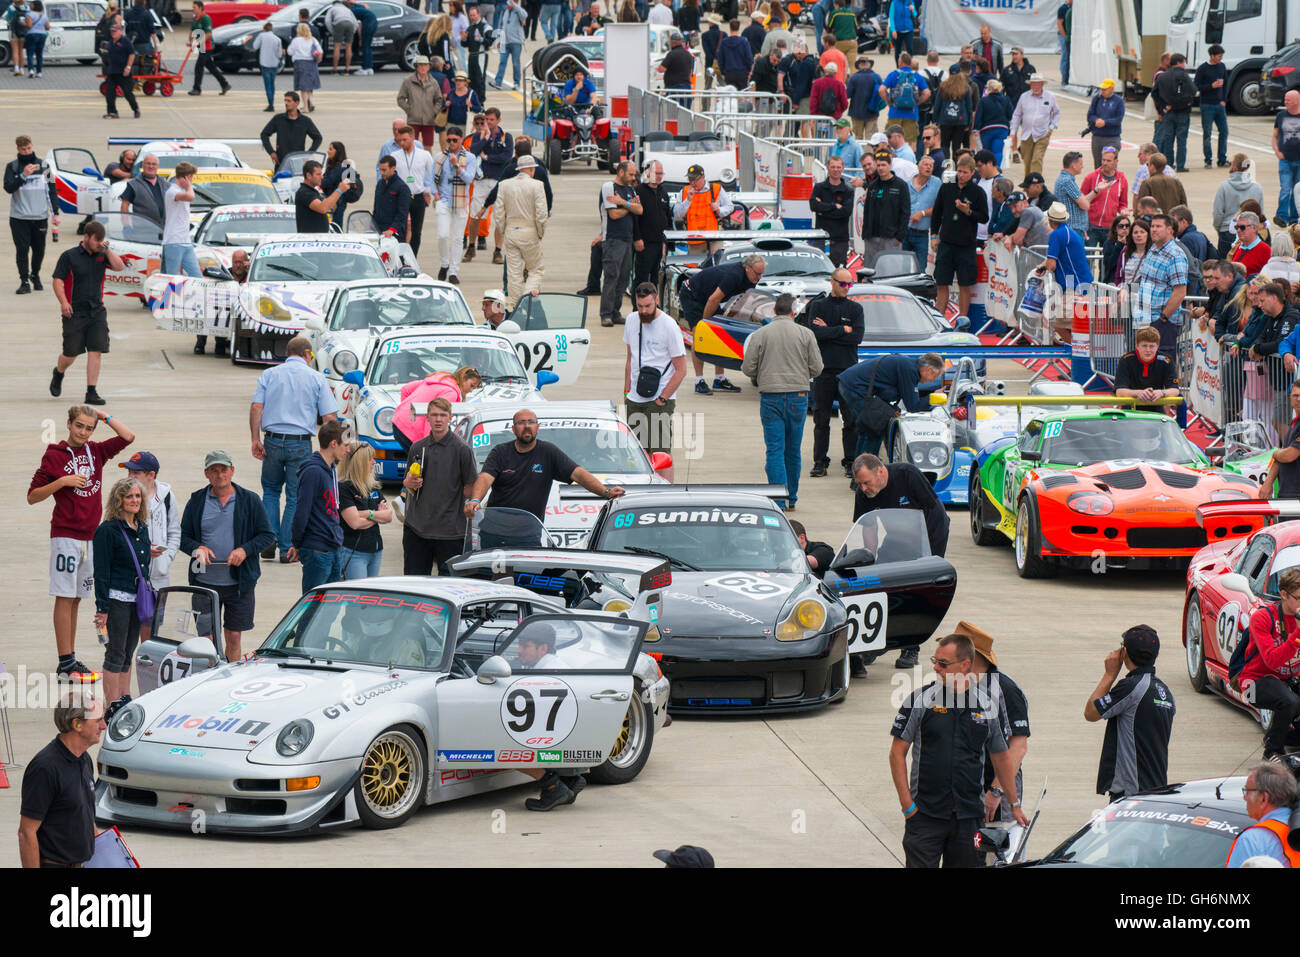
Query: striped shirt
[(1163, 268)]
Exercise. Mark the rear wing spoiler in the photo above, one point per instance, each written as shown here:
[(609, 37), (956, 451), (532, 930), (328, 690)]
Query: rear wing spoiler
[(142, 140), (754, 199), (1271, 511), (1052, 401), (742, 235), (653, 573), (572, 492)]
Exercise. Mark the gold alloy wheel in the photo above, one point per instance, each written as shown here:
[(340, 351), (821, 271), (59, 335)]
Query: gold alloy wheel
[(389, 768), (624, 733)]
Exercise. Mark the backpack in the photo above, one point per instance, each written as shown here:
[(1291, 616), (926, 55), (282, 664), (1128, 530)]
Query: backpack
[(1195, 282), (1245, 650), (877, 102), (954, 113), (1184, 93), (827, 103), (905, 91)]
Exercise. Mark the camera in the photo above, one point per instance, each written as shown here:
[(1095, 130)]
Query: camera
[(349, 175)]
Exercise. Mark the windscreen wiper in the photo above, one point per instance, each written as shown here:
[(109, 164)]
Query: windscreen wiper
[(666, 557)]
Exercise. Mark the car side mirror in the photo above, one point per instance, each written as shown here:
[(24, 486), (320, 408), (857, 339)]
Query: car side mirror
[(407, 272), (313, 325), (91, 171), (866, 274), (859, 556), (546, 377), (1239, 583), (494, 669), (508, 326), (1031, 455), (660, 461), (217, 272), (356, 377), (962, 323), (199, 649)]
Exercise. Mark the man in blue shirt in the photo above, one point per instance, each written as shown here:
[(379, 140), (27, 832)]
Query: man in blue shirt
[(1270, 791), (902, 25), (578, 91), (862, 89), (1066, 256), (287, 402), (907, 90)]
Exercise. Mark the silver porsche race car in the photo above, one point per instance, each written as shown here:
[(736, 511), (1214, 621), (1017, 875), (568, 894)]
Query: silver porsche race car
[(374, 697)]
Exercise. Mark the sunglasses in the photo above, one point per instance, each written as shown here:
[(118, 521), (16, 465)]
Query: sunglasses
[(1241, 226), (844, 285), (939, 662), (1119, 226)]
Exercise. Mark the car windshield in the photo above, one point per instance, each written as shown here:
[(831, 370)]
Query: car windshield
[(709, 145), (889, 535), (1163, 836), (373, 306), (797, 261), (240, 192), (365, 626), (290, 13), (249, 227), (315, 262), (601, 446), (405, 360), (888, 316), (168, 161), (1088, 441), (1187, 11), (591, 48), (710, 537)]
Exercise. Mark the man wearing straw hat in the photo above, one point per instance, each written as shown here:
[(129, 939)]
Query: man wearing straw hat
[(1013, 715)]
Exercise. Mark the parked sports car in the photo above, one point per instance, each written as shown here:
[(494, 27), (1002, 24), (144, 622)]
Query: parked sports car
[(225, 12), (290, 281), (593, 434), (217, 187), (678, 153), (1119, 485), (745, 627), (71, 35), (372, 698)]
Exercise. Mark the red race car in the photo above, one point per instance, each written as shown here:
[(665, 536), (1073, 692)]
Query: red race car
[(1228, 580), (237, 11)]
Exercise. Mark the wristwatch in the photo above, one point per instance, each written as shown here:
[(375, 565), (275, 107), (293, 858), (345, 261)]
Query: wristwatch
[(1016, 803), (997, 791)]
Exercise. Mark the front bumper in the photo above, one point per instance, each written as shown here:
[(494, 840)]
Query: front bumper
[(954, 487), (1153, 535), (390, 460), (157, 785), (753, 675)]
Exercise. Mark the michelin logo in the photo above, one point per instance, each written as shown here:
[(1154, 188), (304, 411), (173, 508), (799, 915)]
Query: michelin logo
[(478, 756)]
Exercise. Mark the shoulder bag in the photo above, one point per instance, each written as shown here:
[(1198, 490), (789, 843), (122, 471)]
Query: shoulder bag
[(146, 598), (876, 413)]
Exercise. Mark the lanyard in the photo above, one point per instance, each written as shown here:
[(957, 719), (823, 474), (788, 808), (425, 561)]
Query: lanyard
[(410, 166)]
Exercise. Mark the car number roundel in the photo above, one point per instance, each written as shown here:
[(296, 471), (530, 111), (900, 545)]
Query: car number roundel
[(536, 706), (1225, 629)]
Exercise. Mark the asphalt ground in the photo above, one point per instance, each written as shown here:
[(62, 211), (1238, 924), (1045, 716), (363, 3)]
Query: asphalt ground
[(807, 790)]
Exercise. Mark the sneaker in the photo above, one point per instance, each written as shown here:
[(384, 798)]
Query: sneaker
[(482, 243), (93, 397), (40, 75), (195, 92), (818, 471), (494, 83), (269, 554), (442, 274), (284, 557), (36, 284), (1280, 222), (554, 794), (702, 388), (857, 667), (76, 668), (1209, 164), (908, 657), (723, 384), (606, 321), (1223, 163), (137, 114), (497, 258), (848, 473), (224, 91), (117, 706), (788, 507), (454, 279), (110, 116), (269, 109), (1182, 169), (31, 74), (56, 384), (24, 288), (587, 292), (199, 348)]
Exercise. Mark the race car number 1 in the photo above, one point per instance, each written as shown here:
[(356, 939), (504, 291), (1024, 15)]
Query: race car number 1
[(536, 705), (868, 621)]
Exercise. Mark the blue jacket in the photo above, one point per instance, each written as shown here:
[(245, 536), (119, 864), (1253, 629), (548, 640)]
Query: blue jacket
[(1107, 108), (735, 55), (862, 87), (252, 533), (993, 112), (392, 203), (316, 525), (898, 378), (1196, 242)]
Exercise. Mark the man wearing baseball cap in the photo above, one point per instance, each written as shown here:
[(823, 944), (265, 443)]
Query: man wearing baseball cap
[(1013, 715), (1106, 120), (164, 521), (1035, 188), (688, 855), (1139, 711)]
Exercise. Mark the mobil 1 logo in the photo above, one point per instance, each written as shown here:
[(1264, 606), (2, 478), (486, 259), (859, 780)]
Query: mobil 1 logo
[(539, 705)]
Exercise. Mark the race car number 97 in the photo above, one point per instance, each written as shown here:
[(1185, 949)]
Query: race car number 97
[(868, 621), (536, 705)]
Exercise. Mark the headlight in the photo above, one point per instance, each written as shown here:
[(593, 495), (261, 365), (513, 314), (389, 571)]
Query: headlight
[(1091, 503), (727, 175), (616, 605), (244, 41), (294, 737), (938, 455), (126, 722), (272, 309), (345, 361), (652, 635), (1228, 495), (806, 618), (384, 420)]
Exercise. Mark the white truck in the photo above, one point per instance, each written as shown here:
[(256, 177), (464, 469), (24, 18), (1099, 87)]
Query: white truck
[(1250, 31)]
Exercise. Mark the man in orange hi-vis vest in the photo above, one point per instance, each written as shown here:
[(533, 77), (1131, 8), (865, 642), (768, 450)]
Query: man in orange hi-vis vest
[(1270, 791), (702, 205)]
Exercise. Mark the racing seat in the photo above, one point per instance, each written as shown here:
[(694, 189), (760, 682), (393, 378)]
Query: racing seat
[(361, 315), (892, 263)]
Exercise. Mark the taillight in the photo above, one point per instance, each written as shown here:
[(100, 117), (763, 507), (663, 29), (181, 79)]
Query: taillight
[(1280, 71)]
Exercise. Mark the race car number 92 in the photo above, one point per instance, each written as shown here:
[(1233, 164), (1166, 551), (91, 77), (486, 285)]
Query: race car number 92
[(535, 706)]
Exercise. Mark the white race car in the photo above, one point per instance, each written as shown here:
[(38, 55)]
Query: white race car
[(71, 35), (680, 153), (290, 281), (593, 434)]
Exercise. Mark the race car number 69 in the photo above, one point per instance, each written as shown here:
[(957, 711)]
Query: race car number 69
[(538, 705)]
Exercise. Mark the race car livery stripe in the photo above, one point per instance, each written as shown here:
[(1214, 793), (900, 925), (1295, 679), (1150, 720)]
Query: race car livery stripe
[(715, 341)]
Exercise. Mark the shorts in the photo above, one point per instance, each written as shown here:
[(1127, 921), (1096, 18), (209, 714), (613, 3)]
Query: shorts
[(344, 31), (481, 190), (72, 568), (236, 609), (692, 310), (951, 259), (652, 424), (86, 332), (804, 106)]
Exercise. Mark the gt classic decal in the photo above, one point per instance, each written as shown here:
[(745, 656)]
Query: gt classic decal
[(539, 705)]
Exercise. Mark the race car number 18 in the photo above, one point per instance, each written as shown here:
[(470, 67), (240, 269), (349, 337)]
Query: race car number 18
[(537, 705)]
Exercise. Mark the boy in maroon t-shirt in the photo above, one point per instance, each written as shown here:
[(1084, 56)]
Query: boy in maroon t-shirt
[(72, 472)]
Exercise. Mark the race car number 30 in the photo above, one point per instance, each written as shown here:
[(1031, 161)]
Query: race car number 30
[(535, 706)]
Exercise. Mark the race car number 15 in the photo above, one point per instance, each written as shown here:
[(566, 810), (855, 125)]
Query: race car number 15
[(868, 620), (536, 705)]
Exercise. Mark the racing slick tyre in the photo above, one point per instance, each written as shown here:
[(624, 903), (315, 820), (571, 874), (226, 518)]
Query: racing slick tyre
[(979, 531), (631, 749), (391, 786), (1194, 639), (554, 156), (548, 56), (1029, 542)]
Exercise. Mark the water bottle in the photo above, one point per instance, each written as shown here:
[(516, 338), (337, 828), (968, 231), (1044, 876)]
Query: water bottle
[(101, 632)]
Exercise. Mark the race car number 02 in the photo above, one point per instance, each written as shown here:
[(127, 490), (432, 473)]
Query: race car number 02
[(868, 621), (536, 705)]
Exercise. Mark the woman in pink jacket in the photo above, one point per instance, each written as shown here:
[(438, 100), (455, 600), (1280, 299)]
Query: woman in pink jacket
[(409, 423)]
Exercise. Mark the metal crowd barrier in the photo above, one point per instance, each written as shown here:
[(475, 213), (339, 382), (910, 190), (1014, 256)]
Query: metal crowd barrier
[(1255, 389)]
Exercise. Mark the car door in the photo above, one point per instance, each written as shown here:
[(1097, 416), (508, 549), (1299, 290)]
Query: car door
[(79, 33), (138, 240), (182, 612), (74, 169), (388, 31), (565, 714), (552, 334)]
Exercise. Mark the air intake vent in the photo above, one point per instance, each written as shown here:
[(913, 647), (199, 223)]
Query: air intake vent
[(1178, 479), (1170, 538), (1055, 481), (1127, 479)]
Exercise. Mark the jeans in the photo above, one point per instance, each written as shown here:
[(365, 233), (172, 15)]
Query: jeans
[(1063, 44), (362, 564), (819, 23), (783, 415), (1288, 175), (269, 73), (1097, 236), (617, 270), (918, 240), (550, 20), (319, 568), (1171, 138), (368, 45), (280, 469), (34, 44), (1215, 115), (513, 51), (850, 409), (992, 141), (179, 259), (497, 14)]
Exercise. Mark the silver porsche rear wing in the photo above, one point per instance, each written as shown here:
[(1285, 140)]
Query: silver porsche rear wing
[(742, 235), (572, 492), (536, 568)]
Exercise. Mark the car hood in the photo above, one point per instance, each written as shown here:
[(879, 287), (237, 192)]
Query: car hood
[(1140, 485), (234, 32), (291, 304), (237, 708), (717, 604), (378, 397)]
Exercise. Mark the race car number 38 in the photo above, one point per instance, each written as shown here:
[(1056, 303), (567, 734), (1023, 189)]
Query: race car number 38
[(537, 705)]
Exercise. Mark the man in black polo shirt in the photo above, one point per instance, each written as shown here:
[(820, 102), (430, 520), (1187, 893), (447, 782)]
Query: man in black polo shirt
[(703, 293), (56, 823), (1139, 713), (953, 723), (959, 209), (764, 74), (311, 207), (291, 131), (836, 321), (440, 474), (1285, 465), (648, 228), (832, 201), (678, 65), (1144, 373), (520, 473), (79, 287)]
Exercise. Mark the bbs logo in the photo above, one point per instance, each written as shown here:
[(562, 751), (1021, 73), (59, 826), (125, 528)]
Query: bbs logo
[(514, 756)]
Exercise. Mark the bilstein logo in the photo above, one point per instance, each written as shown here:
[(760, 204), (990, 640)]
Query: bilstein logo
[(75, 910), (570, 757)]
